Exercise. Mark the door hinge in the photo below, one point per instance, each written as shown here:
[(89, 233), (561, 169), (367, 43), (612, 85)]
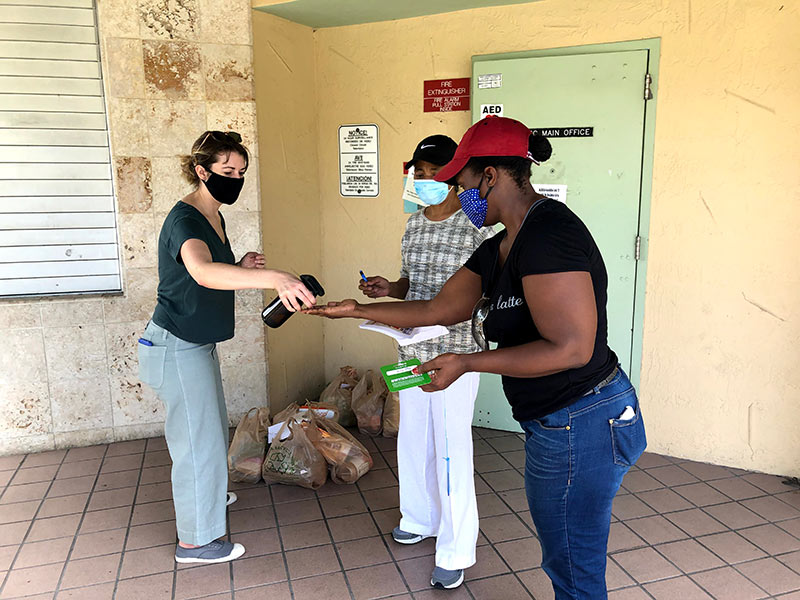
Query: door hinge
[(637, 248), (648, 81)]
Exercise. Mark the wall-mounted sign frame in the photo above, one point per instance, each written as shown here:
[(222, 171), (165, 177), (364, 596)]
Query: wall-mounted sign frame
[(445, 95), (359, 161)]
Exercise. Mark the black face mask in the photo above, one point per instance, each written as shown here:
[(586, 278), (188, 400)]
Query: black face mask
[(224, 189)]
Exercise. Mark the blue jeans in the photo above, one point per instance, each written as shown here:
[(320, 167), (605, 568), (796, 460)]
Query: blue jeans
[(575, 459)]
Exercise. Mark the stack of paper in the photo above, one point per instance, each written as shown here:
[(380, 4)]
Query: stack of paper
[(406, 336)]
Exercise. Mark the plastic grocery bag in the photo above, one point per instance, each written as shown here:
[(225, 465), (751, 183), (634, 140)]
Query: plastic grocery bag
[(369, 397), (321, 410), (246, 453), (348, 458), (391, 415), (339, 393), (287, 412), (294, 460), (277, 423)]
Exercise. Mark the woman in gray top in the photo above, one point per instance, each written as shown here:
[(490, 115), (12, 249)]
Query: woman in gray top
[(434, 445)]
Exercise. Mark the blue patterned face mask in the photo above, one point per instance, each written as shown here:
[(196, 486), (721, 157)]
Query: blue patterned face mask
[(431, 192), (473, 205)]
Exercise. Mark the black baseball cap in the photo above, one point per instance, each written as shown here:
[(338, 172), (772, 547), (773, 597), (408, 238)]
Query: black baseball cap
[(435, 149)]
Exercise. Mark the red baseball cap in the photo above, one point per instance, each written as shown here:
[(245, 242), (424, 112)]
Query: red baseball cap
[(491, 136)]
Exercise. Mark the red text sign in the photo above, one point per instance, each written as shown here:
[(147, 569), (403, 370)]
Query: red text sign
[(445, 95)]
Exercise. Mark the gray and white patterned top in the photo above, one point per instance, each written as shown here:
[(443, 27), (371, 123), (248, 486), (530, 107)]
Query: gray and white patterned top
[(432, 252)]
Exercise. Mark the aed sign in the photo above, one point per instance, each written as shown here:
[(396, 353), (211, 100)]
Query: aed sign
[(563, 132), (491, 109), (445, 95)]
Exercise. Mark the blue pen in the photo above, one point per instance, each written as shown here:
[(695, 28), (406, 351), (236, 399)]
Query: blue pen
[(145, 342), (363, 277)]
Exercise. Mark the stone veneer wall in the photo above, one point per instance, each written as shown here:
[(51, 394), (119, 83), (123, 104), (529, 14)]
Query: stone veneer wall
[(68, 367)]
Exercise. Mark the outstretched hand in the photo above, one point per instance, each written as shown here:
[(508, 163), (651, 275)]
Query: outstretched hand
[(443, 370), (334, 310)]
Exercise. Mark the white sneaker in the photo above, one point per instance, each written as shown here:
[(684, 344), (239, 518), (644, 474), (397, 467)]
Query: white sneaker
[(217, 551), (404, 537), (444, 578)]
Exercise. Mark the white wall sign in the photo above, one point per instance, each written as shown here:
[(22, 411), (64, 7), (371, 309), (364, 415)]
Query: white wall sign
[(491, 109), (552, 190), (358, 161), (490, 80)]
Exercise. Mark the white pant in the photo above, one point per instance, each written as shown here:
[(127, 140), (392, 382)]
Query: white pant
[(431, 424)]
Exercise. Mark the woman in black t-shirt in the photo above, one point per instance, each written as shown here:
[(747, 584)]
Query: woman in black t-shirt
[(197, 276), (538, 290)]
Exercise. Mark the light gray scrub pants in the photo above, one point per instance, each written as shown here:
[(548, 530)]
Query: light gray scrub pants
[(186, 377)]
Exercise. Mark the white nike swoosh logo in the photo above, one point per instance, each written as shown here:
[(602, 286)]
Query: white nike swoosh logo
[(428, 146)]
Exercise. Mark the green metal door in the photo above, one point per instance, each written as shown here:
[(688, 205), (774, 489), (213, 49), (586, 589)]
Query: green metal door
[(601, 167)]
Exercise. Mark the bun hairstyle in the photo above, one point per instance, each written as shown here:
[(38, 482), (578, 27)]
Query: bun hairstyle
[(539, 150), (539, 147), (207, 150)]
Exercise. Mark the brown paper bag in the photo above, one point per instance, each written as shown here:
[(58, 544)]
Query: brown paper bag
[(391, 415), (339, 393), (348, 458), (246, 453), (369, 397), (295, 460)]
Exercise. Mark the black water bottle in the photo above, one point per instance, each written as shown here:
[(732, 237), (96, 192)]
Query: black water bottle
[(275, 313)]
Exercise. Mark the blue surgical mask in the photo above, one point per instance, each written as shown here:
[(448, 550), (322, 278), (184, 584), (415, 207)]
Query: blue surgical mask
[(431, 192), (474, 206)]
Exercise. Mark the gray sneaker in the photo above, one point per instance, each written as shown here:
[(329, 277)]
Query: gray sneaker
[(232, 497), (217, 551), (442, 578), (404, 537)]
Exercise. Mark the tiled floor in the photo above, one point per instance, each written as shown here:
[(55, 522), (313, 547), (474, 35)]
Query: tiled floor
[(96, 523)]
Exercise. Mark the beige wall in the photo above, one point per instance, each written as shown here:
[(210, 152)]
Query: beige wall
[(719, 381), (68, 367), (287, 106)]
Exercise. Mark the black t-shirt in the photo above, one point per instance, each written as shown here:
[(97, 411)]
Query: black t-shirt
[(185, 308), (551, 240)]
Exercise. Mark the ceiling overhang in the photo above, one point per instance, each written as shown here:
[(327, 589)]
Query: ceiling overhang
[(337, 13)]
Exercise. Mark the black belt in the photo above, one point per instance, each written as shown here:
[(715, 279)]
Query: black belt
[(605, 381)]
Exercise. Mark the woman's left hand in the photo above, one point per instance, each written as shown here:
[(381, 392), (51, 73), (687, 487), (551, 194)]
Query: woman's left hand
[(444, 370), (253, 260)]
